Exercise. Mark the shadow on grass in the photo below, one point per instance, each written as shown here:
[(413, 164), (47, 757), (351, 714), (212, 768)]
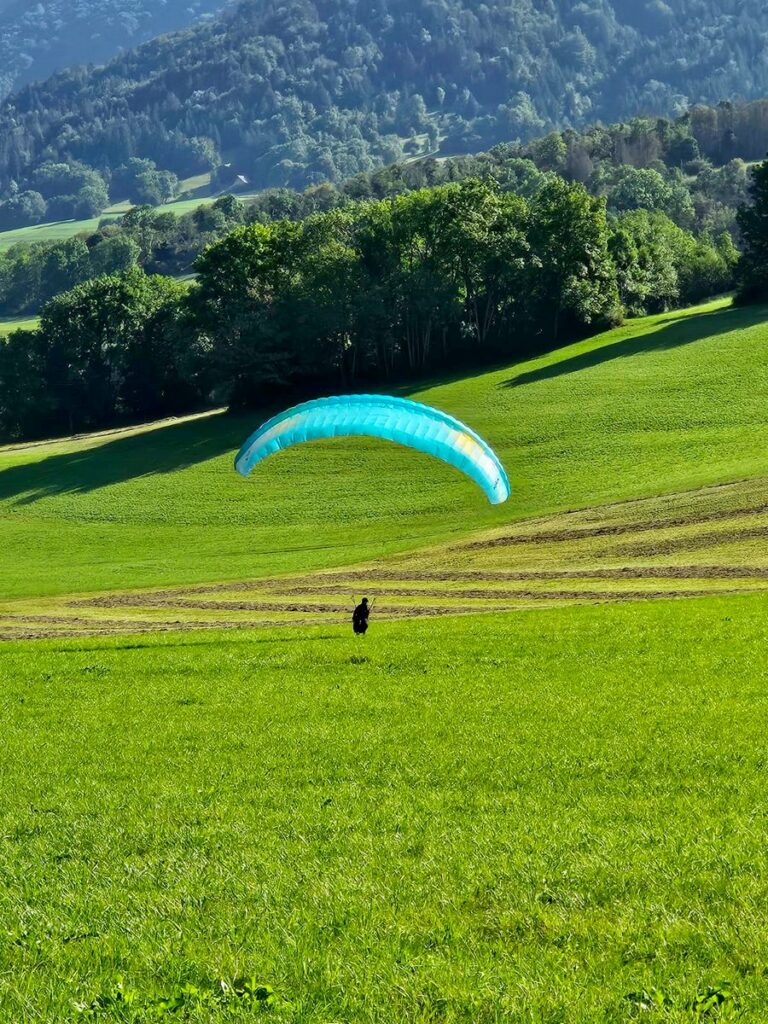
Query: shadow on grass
[(169, 448), (676, 330), (161, 450)]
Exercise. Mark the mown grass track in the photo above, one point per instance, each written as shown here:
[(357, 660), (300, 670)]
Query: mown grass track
[(707, 542)]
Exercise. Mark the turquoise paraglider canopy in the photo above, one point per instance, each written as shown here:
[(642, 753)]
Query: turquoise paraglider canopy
[(395, 419)]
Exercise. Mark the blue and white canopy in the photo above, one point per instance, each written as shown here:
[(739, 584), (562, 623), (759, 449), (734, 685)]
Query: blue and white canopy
[(395, 419)]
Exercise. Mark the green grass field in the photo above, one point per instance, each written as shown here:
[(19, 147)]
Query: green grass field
[(533, 793), (538, 819), (55, 231), (25, 324), (659, 406)]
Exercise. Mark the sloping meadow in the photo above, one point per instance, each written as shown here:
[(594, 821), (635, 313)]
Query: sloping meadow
[(667, 406)]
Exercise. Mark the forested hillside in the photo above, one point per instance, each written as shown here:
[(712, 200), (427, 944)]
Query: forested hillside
[(647, 164), (297, 92), (377, 291), (39, 37)]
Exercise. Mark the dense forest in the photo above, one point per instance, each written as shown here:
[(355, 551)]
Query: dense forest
[(293, 92), (375, 291), (645, 164), (39, 37)]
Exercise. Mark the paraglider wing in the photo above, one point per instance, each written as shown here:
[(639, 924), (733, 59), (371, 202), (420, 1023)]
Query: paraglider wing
[(395, 419)]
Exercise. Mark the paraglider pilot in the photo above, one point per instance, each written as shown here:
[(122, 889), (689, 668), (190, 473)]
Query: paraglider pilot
[(360, 617)]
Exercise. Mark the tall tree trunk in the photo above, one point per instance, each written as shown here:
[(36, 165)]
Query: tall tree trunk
[(425, 343)]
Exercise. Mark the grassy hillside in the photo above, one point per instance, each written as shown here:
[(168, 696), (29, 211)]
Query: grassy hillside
[(558, 818), (666, 404), (554, 815), (25, 324), (706, 542), (56, 231)]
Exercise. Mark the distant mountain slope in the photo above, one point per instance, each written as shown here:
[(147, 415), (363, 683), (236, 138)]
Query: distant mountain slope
[(39, 37), (295, 92)]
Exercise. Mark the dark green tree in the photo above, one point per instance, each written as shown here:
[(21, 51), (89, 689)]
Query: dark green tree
[(110, 350), (27, 402), (571, 276), (113, 255), (752, 271), (241, 306)]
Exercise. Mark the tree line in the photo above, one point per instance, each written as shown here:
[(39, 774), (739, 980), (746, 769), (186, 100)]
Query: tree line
[(647, 164), (362, 295), (71, 190)]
